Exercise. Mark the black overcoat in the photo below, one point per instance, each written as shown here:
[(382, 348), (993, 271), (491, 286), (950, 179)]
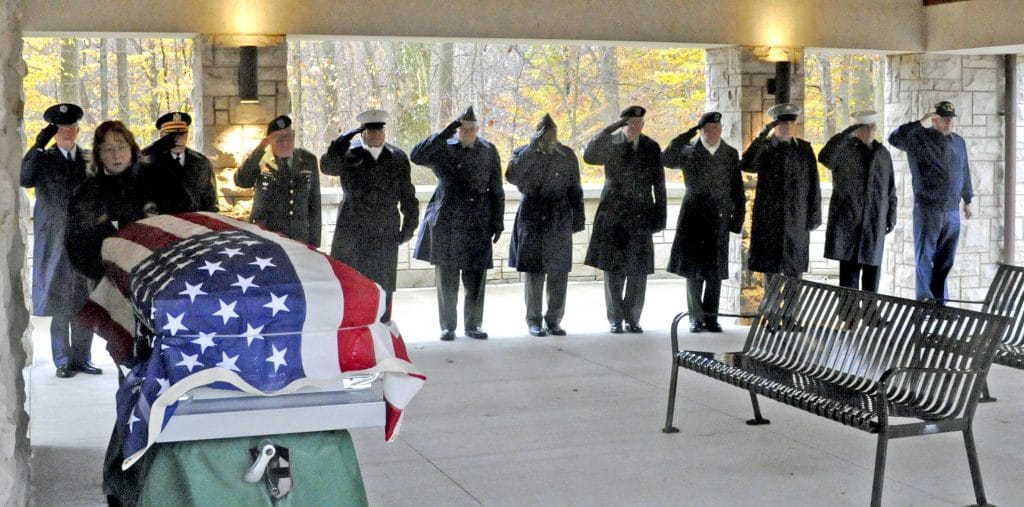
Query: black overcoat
[(101, 205), (196, 176), (550, 211), (57, 289), (369, 227), (468, 205), (787, 206), (632, 205), (863, 204), (285, 201), (713, 205)]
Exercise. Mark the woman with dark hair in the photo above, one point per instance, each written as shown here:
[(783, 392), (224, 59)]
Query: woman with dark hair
[(111, 196)]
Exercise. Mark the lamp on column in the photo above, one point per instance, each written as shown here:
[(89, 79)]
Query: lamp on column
[(779, 85), (247, 63)]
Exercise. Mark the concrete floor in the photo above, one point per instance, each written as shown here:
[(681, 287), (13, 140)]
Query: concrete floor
[(576, 420)]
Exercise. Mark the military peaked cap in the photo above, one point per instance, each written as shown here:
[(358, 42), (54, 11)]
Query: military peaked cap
[(372, 118), (63, 114), (174, 122), (784, 112)]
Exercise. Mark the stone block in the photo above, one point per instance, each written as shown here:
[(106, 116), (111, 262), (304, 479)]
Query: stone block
[(909, 66), (226, 56), (975, 79), (272, 56), (974, 235), (985, 149), (936, 66), (750, 98), (979, 61), (234, 41), (283, 103), (251, 114), (208, 110), (221, 118), (221, 103), (221, 81)]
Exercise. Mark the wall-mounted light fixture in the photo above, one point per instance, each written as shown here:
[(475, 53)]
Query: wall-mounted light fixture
[(779, 85), (247, 86)]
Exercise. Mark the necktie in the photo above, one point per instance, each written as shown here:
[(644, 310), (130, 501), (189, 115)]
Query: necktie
[(181, 160), (70, 158)]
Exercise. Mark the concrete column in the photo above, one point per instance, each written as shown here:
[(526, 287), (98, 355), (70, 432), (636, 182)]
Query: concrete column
[(229, 129), (974, 84), (737, 87), (14, 444)]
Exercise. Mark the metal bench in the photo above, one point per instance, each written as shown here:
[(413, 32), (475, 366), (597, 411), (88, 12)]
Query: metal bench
[(1005, 297), (859, 358)]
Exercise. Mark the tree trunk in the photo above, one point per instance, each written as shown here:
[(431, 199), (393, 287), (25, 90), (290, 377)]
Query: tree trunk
[(444, 78), (69, 65), (843, 114), (104, 74), (295, 51), (828, 98), (123, 103), (609, 68)]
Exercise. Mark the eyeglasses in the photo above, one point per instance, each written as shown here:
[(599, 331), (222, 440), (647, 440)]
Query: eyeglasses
[(109, 149)]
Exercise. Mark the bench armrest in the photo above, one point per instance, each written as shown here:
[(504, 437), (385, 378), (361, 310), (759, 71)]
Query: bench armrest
[(899, 375), (679, 317)]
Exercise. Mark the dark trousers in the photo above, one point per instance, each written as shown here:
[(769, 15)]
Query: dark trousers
[(387, 307), (533, 284), (936, 235), (474, 281), (70, 341), (859, 276), (702, 298), (624, 306)]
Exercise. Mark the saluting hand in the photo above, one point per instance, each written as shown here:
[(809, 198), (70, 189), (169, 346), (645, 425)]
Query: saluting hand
[(451, 128), (45, 135), (347, 136), (930, 115), (685, 137), (768, 128)]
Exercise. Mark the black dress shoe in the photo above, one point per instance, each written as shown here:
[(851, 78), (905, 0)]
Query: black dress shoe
[(65, 372), (477, 333), (616, 328), (536, 330), (447, 335), (556, 330), (88, 368), (714, 327), (697, 327), (633, 327)]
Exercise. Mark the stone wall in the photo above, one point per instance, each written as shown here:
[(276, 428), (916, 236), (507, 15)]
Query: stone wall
[(737, 88), (14, 444), (229, 128), (914, 83), (416, 273)]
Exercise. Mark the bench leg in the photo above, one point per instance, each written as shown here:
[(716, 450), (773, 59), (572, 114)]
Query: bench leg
[(876, 485), (972, 461), (757, 420), (985, 396), (671, 400)]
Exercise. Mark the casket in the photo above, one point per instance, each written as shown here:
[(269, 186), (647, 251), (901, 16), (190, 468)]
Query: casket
[(251, 334)]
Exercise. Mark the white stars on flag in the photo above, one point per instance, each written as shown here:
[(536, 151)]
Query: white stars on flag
[(228, 362), (211, 267), (164, 385), (244, 283), (131, 422), (231, 252), (277, 358), (227, 311), (189, 361), (277, 304), (174, 324), (252, 333), (263, 263), (192, 291), (205, 340)]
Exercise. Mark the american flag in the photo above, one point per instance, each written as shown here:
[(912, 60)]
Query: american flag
[(233, 306)]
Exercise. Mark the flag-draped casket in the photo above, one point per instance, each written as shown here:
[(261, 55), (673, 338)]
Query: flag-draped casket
[(227, 304)]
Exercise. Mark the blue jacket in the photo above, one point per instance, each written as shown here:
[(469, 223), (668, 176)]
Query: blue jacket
[(938, 164)]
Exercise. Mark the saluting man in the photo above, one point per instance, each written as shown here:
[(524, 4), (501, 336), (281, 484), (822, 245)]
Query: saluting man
[(58, 290), (375, 176), (863, 205), (713, 206), (548, 175), (941, 176), (632, 208), (192, 169), (287, 181), (787, 206), (463, 218)]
